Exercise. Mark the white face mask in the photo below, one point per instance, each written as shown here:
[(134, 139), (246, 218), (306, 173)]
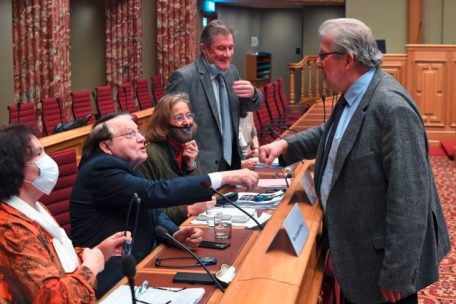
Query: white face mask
[(49, 173)]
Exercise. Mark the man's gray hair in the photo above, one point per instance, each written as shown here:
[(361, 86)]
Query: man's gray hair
[(214, 28), (352, 36)]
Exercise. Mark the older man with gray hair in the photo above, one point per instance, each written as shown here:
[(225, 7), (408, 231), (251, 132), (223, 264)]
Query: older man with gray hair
[(383, 219)]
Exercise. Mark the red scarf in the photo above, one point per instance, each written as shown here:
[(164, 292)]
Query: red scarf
[(179, 151)]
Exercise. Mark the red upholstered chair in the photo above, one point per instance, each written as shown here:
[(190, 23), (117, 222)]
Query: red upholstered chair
[(24, 113), (104, 101), (158, 87), (81, 106), (58, 201), (265, 130), (125, 98), (143, 94), (51, 114)]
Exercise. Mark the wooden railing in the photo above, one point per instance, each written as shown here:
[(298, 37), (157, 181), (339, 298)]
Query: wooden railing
[(311, 85)]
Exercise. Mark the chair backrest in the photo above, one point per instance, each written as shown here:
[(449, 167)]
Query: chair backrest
[(58, 201), (125, 98), (277, 99), (24, 113), (273, 111), (283, 98), (158, 87), (81, 105), (104, 101), (143, 94), (51, 114)]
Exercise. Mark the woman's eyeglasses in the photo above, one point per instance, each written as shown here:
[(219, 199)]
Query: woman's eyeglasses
[(181, 117)]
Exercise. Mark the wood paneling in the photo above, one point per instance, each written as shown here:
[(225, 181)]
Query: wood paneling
[(396, 65), (431, 82)]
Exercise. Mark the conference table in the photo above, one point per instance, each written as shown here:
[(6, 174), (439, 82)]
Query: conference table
[(267, 268)]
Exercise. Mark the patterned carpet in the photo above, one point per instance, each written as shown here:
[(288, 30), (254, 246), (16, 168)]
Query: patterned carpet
[(444, 291)]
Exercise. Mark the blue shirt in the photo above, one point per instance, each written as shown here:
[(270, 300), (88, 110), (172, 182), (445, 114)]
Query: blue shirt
[(353, 96)]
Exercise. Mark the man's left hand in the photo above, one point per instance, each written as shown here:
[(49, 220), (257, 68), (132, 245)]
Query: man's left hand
[(243, 89), (390, 296)]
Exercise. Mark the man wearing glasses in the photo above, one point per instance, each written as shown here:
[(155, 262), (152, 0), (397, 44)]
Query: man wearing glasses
[(373, 176), (103, 194)]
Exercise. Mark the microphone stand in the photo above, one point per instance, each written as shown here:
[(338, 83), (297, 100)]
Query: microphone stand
[(18, 105), (57, 99), (323, 99), (125, 97), (162, 232), (129, 244), (233, 204)]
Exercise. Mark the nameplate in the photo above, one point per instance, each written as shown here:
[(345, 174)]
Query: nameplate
[(296, 229), (307, 183)]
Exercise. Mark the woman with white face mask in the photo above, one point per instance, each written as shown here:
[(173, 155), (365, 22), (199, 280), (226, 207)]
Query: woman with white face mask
[(37, 259), (171, 149)]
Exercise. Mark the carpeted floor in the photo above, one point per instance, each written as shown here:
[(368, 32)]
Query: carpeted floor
[(444, 291)]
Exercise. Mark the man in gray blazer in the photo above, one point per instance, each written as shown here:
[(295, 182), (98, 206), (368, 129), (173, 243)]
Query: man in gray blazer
[(383, 217), (218, 147)]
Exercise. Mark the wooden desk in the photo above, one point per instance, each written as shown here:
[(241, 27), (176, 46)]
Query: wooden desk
[(268, 275), (75, 138)]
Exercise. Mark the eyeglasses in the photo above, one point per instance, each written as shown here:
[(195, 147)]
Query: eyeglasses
[(181, 117), (130, 134), (323, 56)]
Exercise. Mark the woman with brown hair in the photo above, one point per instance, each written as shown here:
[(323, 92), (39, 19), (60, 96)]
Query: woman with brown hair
[(171, 149)]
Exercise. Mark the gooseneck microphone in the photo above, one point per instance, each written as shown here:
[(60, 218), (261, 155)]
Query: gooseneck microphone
[(128, 243), (323, 99), (163, 233), (234, 205), (18, 106), (125, 97), (129, 269)]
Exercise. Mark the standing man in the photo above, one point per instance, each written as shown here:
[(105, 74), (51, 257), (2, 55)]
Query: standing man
[(217, 96), (373, 175)]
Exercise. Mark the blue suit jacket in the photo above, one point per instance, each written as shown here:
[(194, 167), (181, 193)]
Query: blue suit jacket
[(99, 204)]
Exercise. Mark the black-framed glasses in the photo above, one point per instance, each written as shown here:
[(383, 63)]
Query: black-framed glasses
[(323, 56), (129, 134), (181, 117)]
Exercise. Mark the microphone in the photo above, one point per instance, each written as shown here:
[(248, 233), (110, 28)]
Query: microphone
[(163, 233), (233, 204), (129, 269), (18, 105), (323, 99), (125, 97), (128, 243), (274, 133), (57, 99)]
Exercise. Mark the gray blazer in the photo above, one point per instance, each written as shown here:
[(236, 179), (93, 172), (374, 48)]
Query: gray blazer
[(383, 217), (195, 80)]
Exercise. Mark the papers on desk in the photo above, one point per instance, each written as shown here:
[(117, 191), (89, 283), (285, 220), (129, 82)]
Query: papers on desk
[(265, 200), (274, 164), (237, 216), (273, 182), (153, 295)]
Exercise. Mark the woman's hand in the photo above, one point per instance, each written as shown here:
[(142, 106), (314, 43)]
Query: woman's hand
[(113, 245), (190, 154), (198, 208), (189, 236), (93, 259)]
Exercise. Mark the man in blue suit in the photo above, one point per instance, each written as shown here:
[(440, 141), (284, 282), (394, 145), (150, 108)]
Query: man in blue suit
[(107, 181), (373, 175), (212, 82)]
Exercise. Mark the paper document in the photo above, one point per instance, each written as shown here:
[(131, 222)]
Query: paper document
[(153, 295), (273, 182), (237, 216)]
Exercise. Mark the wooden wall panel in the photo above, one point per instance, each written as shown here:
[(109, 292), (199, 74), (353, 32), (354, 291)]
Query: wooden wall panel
[(431, 80), (396, 65)]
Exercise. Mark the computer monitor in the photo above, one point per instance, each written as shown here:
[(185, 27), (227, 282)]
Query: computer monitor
[(381, 44)]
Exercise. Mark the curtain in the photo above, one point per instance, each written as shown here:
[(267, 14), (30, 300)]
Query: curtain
[(176, 34), (41, 51), (123, 41)]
